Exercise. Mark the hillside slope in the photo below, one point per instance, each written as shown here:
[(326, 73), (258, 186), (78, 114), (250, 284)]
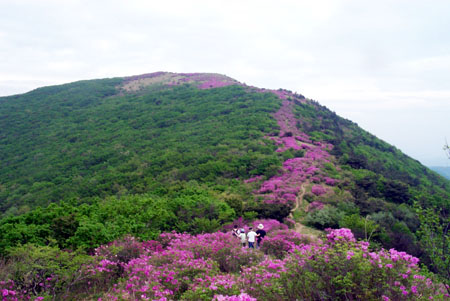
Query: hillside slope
[(190, 152)]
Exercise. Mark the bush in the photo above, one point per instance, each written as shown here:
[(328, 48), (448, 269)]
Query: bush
[(363, 228), (327, 217), (272, 211), (279, 243), (343, 269), (318, 190), (121, 251), (45, 270)]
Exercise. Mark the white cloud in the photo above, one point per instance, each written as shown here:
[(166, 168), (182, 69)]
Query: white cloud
[(441, 63)]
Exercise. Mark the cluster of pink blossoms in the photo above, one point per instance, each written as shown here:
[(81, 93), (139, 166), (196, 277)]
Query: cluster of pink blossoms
[(318, 190), (241, 297), (8, 293), (316, 205), (253, 179), (340, 235)]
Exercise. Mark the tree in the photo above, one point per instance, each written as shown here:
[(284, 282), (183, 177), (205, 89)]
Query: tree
[(434, 234)]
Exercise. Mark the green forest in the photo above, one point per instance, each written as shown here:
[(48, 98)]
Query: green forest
[(77, 142)]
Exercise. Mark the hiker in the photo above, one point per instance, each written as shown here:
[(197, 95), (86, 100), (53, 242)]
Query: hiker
[(260, 233), (243, 237), (235, 231), (251, 238)]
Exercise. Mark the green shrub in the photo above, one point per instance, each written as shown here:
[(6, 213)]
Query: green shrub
[(327, 217), (46, 270)]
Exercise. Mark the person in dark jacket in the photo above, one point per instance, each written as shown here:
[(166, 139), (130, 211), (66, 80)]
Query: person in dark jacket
[(260, 233), (235, 231)]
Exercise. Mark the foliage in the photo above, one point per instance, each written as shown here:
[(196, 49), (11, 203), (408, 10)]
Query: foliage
[(345, 270), (327, 217), (45, 270), (279, 243), (434, 232), (363, 228), (85, 140), (102, 221)]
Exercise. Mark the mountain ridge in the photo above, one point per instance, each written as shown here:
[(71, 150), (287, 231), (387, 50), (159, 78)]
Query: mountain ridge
[(246, 149), (130, 184)]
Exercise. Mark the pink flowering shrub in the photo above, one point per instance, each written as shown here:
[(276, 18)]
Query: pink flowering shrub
[(261, 281), (240, 297), (340, 235), (152, 246), (269, 225), (279, 243), (253, 179), (121, 251), (112, 259), (162, 275), (318, 190), (165, 239), (8, 292), (316, 205), (223, 248), (330, 181), (276, 246), (222, 287), (315, 179), (289, 222), (342, 268)]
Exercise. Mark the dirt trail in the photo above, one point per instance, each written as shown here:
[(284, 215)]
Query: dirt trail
[(298, 202)]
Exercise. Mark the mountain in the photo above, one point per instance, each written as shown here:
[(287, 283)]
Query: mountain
[(99, 178), (442, 170), (206, 149)]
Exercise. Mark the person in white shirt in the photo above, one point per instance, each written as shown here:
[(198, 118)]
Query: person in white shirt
[(243, 237), (251, 238)]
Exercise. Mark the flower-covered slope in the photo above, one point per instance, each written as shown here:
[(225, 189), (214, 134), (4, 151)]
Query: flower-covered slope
[(284, 187), (297, 171)]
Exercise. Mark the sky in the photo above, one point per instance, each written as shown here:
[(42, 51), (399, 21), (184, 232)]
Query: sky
[(382, 64)]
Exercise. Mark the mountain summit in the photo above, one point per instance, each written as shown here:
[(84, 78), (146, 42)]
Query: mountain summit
[(202, 80)]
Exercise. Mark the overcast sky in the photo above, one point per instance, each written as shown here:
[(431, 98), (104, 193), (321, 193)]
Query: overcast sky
[(382, 64)]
